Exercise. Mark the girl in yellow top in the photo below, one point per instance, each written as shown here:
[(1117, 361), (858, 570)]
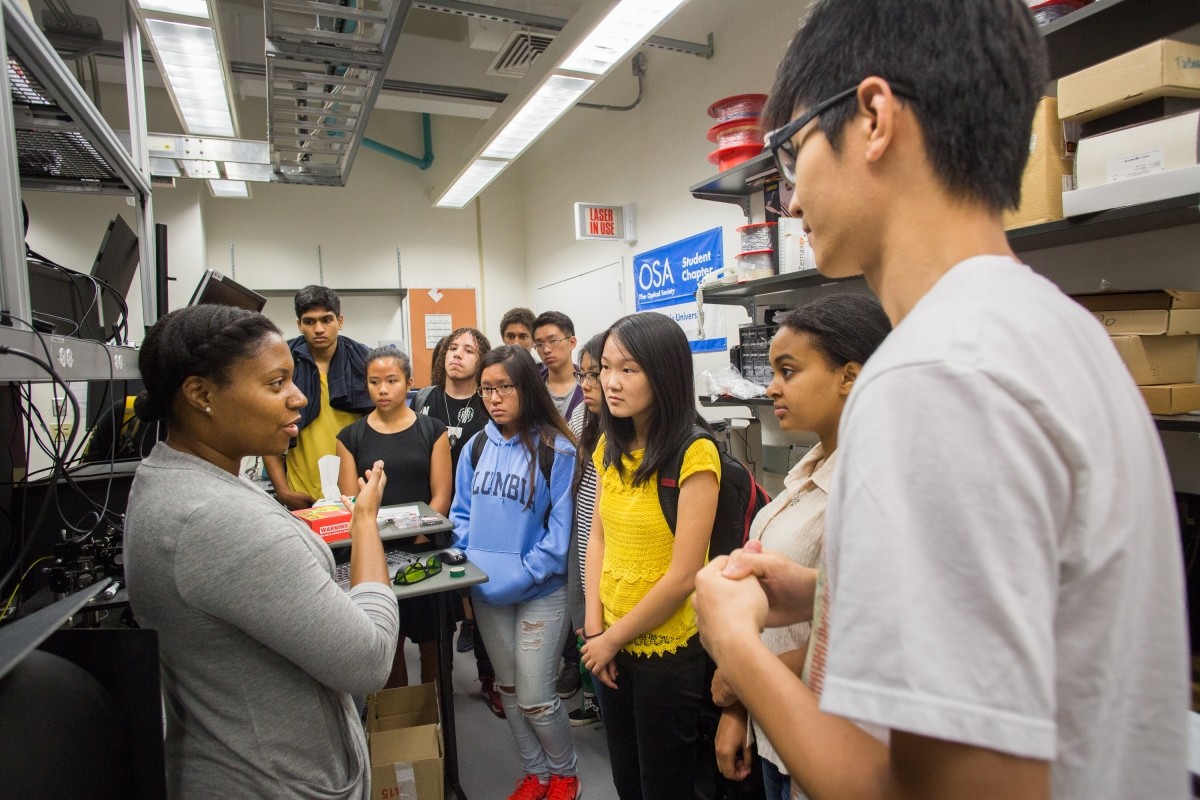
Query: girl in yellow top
[(640, 631)]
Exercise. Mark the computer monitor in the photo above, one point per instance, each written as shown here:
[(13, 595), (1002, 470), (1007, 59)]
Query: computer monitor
[(64, 302), (216, 288), (116, 261)]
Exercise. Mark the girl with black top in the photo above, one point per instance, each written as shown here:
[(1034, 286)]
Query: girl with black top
[(416, 452)]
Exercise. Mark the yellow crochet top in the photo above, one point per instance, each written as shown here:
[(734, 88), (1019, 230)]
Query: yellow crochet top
[(638, 545)]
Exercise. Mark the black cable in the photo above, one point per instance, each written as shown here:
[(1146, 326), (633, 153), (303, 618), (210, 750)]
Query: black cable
[(45, 509)]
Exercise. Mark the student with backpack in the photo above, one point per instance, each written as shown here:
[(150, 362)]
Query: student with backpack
[(640, 631), (585, 424), (416, 451), (816, 355), (512, 516), (451, 397)]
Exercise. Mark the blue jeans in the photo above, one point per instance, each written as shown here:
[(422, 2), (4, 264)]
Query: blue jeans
[(776, 785), (525, 641)]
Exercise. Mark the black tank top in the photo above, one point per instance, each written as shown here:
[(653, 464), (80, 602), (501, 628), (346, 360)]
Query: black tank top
[(406, 456)]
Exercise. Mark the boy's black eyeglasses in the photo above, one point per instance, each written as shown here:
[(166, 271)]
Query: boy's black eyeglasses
[(779, 141), (503, 390), (416, 571), (587, 378)]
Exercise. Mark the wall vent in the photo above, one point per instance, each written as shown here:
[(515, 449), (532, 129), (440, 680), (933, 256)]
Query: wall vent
[(518, 53)]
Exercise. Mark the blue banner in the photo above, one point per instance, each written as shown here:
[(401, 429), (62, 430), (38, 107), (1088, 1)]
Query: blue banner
[(665, 281), (669, 274)]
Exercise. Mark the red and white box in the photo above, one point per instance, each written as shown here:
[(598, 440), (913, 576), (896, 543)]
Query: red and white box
[(331, 522)]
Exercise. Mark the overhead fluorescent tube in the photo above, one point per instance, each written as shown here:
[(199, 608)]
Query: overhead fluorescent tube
[(472, 181), (184, 8), (625, 27), (553, 99)]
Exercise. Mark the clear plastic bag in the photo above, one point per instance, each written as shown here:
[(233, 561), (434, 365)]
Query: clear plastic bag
[(727, 380)]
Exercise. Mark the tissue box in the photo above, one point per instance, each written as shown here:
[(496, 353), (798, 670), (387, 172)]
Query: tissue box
[(331, 522)]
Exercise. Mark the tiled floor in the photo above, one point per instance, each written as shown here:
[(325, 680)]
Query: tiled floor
[(489, 764)]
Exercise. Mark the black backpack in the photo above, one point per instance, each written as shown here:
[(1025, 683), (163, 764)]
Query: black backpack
[(740, 497)]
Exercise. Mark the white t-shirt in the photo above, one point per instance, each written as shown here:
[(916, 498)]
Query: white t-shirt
[(1002, 545)]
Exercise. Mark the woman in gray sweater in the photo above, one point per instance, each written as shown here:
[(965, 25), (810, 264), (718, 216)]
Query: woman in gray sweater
[(260, 650)]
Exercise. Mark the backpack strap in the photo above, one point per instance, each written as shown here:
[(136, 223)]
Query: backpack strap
[(477, 444), (421, 400), (668, 478)]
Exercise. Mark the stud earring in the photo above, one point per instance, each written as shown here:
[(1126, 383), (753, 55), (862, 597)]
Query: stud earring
[(208, 409)]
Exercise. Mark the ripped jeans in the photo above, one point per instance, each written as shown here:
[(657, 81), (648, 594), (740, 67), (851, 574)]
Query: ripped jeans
[(525, 642)]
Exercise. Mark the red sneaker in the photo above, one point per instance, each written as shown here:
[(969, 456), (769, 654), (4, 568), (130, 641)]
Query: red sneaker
[(530, 788), (491, 696), (563, 787)]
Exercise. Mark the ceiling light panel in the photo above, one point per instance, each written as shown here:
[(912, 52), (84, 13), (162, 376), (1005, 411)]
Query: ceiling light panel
[(470, 183), (625, 27), (190, 60), (184, 8), (553, 99), (222, 188)]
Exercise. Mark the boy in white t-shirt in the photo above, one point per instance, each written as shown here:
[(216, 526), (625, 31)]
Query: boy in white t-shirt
[(1004, 564)]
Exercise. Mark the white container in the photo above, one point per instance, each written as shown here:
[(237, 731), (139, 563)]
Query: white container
[(795, 253), (755, 264)]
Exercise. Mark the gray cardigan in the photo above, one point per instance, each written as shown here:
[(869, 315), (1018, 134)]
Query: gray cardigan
[(260, 650)]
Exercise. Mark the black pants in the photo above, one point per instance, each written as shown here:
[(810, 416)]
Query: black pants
[(652, 722)]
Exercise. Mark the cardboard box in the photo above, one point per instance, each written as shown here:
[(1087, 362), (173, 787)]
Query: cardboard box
[(406, 707), (1160, 313), (1135, 191), (1154, 360), (1148, 111), (1159, 146), (407, 764), (1158, 299), (331, 523), (1165, 68), (1048, 173), (1179, 398)]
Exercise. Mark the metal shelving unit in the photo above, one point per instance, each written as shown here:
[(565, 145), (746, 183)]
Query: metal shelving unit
[(53, 138), (325, 66)]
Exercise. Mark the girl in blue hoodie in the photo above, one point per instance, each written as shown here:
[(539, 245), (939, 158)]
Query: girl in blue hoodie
[(512, 514)]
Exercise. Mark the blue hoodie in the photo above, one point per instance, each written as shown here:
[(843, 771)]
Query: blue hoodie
[(523, 553)]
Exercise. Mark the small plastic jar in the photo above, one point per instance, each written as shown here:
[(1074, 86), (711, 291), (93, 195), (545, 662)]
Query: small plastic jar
[(755, 264)]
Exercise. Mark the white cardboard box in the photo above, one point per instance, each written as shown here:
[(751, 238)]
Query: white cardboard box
[(1132, 192), (1158, 146)]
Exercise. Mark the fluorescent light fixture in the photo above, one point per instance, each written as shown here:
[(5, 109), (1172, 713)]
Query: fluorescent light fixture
[(189, 56), (184, 8), (221, 188), (600, 35), (625, 27), (470, 183), (553, 99)]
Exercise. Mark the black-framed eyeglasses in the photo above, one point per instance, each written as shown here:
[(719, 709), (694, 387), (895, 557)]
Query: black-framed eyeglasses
[(587, 378), (549, 344), (503, 390), (416, 571), (779, 141)]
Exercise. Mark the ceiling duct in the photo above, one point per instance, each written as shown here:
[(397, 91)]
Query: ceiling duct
[(518, 53)]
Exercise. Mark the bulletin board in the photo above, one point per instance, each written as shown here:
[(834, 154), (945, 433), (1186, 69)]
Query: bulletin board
[(432, 313)]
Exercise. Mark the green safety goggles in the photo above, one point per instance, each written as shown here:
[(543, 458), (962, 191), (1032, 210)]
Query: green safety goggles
[(416, 570)]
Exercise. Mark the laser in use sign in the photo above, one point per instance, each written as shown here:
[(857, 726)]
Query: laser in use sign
[(614, 223)]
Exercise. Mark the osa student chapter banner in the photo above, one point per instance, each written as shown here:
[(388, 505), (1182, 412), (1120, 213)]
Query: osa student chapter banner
[(665, 280)]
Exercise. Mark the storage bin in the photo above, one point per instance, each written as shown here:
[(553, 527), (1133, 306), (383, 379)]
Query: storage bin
[(758, 236), (755, 264), (727, 157), (740, 131), (738, 105)]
